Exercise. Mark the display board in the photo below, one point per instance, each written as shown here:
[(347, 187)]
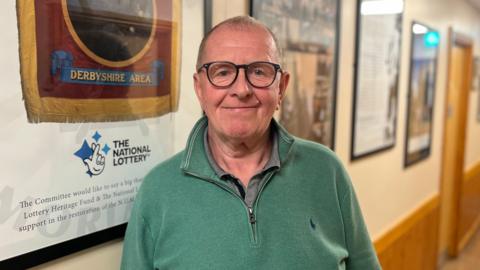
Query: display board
[(307, 32), (374, 114), (421, 92), (76, 149)]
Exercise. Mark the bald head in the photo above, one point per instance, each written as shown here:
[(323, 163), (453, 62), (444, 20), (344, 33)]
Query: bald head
[(239, 23)]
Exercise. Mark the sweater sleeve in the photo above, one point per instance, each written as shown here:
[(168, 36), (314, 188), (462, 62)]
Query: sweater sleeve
[(361, 254), (138, 246)]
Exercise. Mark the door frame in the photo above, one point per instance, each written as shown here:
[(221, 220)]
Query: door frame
[(455, 243)]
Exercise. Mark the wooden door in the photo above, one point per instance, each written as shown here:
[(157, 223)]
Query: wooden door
[(459, 69)]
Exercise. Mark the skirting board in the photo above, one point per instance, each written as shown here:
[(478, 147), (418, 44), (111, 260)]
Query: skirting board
[(412, 244)]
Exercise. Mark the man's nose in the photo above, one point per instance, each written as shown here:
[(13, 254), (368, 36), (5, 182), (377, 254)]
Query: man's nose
[(241, 88)]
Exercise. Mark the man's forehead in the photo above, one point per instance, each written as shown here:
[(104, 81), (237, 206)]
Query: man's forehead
[(240, 37)]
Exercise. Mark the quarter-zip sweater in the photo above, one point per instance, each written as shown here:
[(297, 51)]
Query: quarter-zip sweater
[(306, 215)]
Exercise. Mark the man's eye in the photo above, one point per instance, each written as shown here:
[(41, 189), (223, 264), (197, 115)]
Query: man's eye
[(259, 72), (223, 72)]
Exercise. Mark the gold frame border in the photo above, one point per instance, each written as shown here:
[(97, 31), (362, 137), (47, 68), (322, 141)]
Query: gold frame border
[(103, 61), (63, 110)]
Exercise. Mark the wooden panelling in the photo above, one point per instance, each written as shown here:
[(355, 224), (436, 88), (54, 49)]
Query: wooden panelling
[(412, 244), (469, 218)]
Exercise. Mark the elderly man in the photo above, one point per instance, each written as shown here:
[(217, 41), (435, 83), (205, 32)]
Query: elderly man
[(245, 194)]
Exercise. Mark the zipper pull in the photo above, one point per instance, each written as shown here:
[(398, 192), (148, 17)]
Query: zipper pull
[(251, 215)]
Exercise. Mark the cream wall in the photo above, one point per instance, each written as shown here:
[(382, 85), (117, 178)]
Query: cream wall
[(472, 151), (387, 192)]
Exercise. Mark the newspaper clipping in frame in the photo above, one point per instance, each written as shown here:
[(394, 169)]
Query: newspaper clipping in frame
[(99, 60)]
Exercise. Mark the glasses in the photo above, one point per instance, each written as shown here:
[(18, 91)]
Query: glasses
[(258, 74)]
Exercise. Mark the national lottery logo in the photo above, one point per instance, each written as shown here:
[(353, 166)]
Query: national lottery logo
[(93, 154)]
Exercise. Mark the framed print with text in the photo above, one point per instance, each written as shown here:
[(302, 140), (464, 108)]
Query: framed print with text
[(377, 66), (307, 32), (90, 118), (421, 93)]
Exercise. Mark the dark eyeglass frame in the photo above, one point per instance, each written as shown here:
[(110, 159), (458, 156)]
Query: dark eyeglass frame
[(276, 67)]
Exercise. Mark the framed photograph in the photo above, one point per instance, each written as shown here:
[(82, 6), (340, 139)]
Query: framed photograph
[(421, 92), (308, 35), (376, 75), (70, 183)]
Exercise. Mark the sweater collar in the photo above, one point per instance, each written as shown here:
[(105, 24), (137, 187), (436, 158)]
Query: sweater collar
[(195, 160)]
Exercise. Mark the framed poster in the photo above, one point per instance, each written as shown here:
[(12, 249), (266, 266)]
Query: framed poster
[(95, 61), (71, 162), (307, 32), (421, 92), (374, 114)]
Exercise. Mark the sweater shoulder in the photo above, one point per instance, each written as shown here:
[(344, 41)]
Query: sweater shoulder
[(162, 176), (316, 151)]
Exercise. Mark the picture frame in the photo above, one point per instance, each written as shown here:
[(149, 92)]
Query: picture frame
[(70, 185), (308, 34), (208, 15), (376, 77), (421, 93)]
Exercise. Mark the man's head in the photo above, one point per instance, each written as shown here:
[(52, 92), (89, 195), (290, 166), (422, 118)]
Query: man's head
[(243, 107), (239, 23)]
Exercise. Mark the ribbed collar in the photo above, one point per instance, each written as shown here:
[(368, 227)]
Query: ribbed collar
[(195, 160)]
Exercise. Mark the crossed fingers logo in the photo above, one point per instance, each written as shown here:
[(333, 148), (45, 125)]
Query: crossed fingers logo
[(93, 155)]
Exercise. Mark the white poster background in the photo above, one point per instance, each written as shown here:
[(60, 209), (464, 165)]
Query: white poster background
[(39, 169)]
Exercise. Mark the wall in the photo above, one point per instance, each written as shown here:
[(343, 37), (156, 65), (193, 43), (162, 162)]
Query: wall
[(387, 192)]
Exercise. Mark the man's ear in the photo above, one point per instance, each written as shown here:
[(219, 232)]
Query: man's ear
[(284, 79), (196, 85), (198, 88)]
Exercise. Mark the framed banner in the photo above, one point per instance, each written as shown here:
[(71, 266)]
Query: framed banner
[(85, 61), (308, 33), (70, 183), (421, 92), (377, 65)]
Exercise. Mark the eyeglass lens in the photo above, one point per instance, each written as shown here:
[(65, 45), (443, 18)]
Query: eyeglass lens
[(259, 74)]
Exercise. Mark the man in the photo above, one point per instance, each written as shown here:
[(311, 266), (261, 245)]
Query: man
[(245, 194)]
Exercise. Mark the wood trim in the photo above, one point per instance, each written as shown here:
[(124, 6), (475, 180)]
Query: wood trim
[(472, 173), (469, 234), (387, 239), (412, 243), (469, 205)]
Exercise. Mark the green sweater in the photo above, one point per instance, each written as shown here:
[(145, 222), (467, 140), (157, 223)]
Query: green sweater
[(306, 215)]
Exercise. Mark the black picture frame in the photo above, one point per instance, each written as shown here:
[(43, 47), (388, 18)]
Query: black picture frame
[(59, 250), (389, 129), (207, 13), (421, 95), (318, 122)]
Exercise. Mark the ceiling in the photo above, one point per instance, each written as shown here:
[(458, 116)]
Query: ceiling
[(475, 3)]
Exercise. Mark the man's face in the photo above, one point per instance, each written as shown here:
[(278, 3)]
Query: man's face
[(240, 111)]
